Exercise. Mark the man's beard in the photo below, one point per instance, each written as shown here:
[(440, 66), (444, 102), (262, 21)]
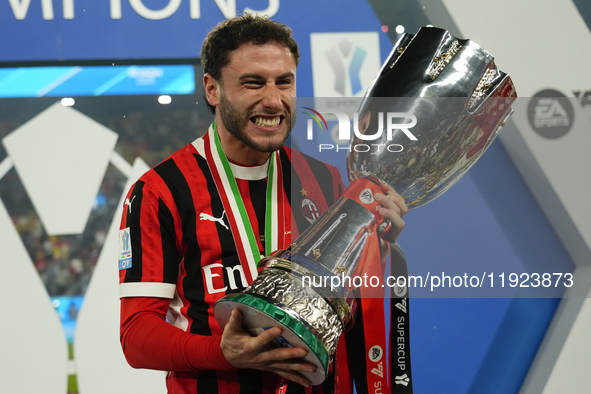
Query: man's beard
[(236, 123)]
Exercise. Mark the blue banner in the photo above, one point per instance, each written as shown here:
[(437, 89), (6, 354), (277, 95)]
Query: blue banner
[(42, 30), (96, 80)]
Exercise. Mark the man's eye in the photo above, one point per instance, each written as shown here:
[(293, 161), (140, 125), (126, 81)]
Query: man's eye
[(253, 83)]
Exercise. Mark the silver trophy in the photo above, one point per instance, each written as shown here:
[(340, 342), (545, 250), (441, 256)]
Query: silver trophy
[(457, 100)]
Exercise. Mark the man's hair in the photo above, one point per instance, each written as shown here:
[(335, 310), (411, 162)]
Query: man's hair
[(232, 33)]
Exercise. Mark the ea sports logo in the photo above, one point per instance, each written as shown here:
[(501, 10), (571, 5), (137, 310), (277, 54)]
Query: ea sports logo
[(375, 353), (550, 114)]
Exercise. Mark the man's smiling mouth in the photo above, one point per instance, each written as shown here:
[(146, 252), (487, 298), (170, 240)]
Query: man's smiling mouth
[(267, 121)]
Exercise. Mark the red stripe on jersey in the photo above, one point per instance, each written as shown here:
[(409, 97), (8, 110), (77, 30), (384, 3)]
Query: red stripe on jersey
[(228, 382), (152, 266), (125, 209), (338, 187), (294, 230), (304, 172), (176, 385), (124, 225), (244, 189), (155, 259), (282, 208)]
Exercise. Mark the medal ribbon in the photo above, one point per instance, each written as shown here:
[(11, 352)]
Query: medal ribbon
[(389, 372), (244, 237), (399, 328), (371, 304)]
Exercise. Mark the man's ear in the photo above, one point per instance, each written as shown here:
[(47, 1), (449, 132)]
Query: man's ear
[(212, 89)]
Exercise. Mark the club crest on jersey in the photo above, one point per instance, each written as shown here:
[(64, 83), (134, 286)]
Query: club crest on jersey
[(310, 210)]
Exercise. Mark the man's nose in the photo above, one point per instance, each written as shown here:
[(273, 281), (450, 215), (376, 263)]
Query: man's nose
[(272, 97)]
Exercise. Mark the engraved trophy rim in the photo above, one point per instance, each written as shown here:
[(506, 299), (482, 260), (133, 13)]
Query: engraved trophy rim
[(296, 331)]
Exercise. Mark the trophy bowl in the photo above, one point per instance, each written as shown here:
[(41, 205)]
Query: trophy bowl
[(456, 100), (459, 100)]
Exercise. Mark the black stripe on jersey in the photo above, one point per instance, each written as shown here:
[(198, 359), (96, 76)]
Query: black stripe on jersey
[(251, 381), (324, 178), (207, 382), (286, 172), (134, 274), (181, 193), (355, 340), (294, 388), (328, 385), (170, 255)]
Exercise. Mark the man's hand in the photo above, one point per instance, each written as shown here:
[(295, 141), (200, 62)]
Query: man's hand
[(242, 350), (392, 207)]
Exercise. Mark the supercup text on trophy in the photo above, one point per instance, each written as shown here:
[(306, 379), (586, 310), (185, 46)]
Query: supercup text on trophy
[(395, 121)]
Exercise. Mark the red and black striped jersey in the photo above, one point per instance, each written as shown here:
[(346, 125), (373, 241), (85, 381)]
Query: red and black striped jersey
[(176, 242)]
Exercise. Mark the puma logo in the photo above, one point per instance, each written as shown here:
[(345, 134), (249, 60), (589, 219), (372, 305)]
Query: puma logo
[(220, 220), (128, 203)]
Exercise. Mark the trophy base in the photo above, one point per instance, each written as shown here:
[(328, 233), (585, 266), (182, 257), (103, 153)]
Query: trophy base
[(259, 314)]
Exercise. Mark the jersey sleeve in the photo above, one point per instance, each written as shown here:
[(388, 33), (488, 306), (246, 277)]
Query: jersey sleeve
[(148, 341), (149, 257), (148, 249)]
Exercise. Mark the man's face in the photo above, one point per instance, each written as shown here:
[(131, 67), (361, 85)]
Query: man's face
[(256, 89)]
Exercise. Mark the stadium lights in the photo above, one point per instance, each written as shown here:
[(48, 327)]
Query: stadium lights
[(68, 101), (164, 99)]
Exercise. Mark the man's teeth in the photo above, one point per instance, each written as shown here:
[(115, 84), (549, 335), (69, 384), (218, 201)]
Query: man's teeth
[(265, 122)]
